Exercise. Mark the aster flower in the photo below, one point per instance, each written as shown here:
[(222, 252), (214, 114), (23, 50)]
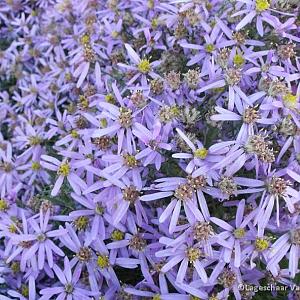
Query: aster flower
[(210, 46), (236, 39), (92, 210), (8, 172), (201, 156), (232, 76), (276, 188), (143, 66), (69, 286), (85, 57), (106, 261), (123, 119), (176, 126), (154, 141), (258, 9), (32, 91), (27, 291), (234, 236), (125, 163), (184, 254), (128, 194), (64, 170), (288, 243), (249, 115), (184, 191), (84, 257), (39, 242)]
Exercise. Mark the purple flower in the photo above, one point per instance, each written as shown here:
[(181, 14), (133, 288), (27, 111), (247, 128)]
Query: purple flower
[(154, 142), (68, 287), (64, 170), (38, 242)]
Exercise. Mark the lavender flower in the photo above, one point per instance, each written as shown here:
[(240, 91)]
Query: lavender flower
[(149, 149)]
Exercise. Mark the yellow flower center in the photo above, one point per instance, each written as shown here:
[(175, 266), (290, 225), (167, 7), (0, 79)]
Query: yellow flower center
[(34, 140), (103, 261), (81, 223), (12, 228), (74, 134), (117, 235), (201, 153), (64, 169), (114, 34), (238, 60), (130, 161), (99, 209), (85, 39), (110, 98), (209, 48), (261, 244), (239, 233), (154, 23), (25, 291), (209, 6), (175, 111), (68, 76), (3, 205), (15, 267), (150, 4), (193, 254), (156, 297), (84, 102), (290, 100), (262, 5), (103, 123), (144, 66), (35, 166)]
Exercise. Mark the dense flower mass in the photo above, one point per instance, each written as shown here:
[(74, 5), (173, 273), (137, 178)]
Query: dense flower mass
[(149, 149)]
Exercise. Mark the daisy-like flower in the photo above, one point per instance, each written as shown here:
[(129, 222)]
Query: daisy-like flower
[(184, 193), (32, 91), (120, 121), (184, 254), (84, 258), (249, 115), (86, 57), (154, 141), (128, 195), (206, 51), (64, 169), (119, 165), (286, 244), (201, 157), (234, 236), (143, 67), (33, 172), (236, 39), (259, 249), (91, 213), (39, 241), (106, 260), (31, 139), (231, 77), (27, 291), (276, 188), (68, 287), (8, 172), (255, 8)]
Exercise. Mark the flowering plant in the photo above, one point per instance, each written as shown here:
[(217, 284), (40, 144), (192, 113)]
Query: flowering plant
[(149, 149)]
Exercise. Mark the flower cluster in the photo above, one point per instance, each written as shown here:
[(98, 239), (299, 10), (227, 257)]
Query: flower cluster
[(149, 149)]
